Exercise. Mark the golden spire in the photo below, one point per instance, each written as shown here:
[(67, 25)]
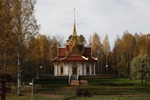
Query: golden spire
[(74, 29)]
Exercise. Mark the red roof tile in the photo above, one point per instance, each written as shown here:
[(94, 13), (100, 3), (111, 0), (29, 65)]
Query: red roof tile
[(63, 57), (61, 52), (87, 51), (67, 48), (74, 58)]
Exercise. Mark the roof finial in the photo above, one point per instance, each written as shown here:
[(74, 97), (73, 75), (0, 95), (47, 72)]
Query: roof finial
[(74, 13), (74, 30)]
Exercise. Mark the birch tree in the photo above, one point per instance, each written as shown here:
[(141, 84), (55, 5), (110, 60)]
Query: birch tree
[(106, 49), (127, 51), (25, 27), (96, 49), (6, 35), (140, 68), (116, 55), (143, 45)]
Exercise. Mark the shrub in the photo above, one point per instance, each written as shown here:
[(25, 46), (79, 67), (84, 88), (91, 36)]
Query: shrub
[(82, 92)]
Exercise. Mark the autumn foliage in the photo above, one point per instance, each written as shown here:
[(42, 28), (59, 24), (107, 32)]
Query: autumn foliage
[(20, 42)]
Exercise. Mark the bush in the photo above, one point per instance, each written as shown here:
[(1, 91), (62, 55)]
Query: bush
[(117, 84), (82, 92)]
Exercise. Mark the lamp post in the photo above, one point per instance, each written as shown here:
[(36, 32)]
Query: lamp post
[(101, 49), (32, 85), (37, 75), (98, 52), (41, 70), (106, 68), (32, 90)]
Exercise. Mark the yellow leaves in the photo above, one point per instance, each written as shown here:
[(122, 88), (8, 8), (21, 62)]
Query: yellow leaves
[(39, 47), (128, 42), (106, 45), (44, 46), (95, 44), (143, 44)]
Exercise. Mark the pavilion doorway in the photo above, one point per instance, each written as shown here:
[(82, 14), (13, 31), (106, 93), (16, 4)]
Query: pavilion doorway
[(74, 69)]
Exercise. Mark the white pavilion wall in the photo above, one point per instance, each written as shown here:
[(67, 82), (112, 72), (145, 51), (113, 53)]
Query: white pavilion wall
[(79, 68), (67, 68), (69, 71)]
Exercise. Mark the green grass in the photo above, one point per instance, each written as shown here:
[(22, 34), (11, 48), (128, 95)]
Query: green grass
[(98, 81), (51, 82), (26, 97), (95, 97), (112, 97), (101, 89)]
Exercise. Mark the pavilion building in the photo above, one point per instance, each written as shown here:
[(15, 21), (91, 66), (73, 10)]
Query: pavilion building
[(74, 58)]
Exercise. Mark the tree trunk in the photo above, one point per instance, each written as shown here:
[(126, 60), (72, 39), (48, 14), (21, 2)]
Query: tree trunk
[(5, 62), (101, 67), (19, 76), (145, 82), (142, 81)]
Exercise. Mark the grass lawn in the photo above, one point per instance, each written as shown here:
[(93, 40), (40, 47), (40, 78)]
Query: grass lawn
[(100, 89)]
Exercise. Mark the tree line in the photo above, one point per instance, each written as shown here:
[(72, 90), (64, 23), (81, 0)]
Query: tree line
[(118, 60), (26, 54), (18, 25)]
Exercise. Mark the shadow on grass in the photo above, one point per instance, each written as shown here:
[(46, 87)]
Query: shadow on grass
[(69, 98)]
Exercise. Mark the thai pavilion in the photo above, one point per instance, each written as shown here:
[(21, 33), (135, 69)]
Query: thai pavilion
[(74, 58)]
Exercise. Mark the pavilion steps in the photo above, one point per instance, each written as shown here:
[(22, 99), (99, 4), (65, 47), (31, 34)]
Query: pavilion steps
[(74, 77)]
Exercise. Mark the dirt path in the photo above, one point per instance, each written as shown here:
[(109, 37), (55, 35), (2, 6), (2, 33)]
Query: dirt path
[(52, 96)]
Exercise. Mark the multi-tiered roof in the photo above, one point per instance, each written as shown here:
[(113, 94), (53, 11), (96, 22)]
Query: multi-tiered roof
[(74, 50)]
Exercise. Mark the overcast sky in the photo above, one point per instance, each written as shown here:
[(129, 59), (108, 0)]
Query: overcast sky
[(112, 17)]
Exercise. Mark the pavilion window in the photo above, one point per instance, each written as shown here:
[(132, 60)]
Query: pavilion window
[(87, 69), (61, 70)]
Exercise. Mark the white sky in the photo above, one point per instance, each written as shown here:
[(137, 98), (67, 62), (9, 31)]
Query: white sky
[(112, 17)]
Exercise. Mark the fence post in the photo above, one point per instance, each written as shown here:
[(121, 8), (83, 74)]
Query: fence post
[(3, 87)]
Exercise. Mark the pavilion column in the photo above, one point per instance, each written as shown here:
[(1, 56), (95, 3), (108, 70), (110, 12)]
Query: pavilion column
[(68, 70), (84, 69), (64, 69), (94, 69), (55, 69), (90, 70), (58, 70)]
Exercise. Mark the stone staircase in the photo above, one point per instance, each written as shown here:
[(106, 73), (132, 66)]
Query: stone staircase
[(73, 79)]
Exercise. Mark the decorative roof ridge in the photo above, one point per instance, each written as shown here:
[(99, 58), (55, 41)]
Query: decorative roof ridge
[(63, 58), (62, 47), (55, 58), (87, 46), (85, 58), (70, 51), (94, 58)]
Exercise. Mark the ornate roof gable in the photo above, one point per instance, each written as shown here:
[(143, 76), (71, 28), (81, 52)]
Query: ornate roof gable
[(75, 43), (75, 50)]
